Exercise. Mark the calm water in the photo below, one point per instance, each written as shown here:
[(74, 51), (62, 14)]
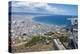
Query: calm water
[(54, 19), (50, 19)]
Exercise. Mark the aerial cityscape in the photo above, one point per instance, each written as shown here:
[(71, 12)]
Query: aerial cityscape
[(36, 26)]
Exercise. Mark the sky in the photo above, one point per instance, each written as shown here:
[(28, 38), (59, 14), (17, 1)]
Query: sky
[(44, 8)]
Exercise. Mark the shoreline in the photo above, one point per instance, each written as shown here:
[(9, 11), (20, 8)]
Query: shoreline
[(52, 24), (27, 25)]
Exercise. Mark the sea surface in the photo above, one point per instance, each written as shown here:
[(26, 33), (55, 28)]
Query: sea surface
[(55, 19), (50, 19)]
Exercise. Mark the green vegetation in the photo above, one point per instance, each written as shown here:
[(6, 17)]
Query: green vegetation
[(42, 42), (37, 39), (45, 39), (63, 39), (33, 41)]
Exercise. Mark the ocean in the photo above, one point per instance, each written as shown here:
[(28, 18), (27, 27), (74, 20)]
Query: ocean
[(55, 19), (49, 19)]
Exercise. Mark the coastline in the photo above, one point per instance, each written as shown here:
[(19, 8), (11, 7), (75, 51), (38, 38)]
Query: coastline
[(29, 26), (24, 29)]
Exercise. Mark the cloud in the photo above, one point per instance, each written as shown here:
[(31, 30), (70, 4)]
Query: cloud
[(35, 7)]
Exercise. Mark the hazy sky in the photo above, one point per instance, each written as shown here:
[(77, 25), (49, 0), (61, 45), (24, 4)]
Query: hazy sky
[(44, 8)]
